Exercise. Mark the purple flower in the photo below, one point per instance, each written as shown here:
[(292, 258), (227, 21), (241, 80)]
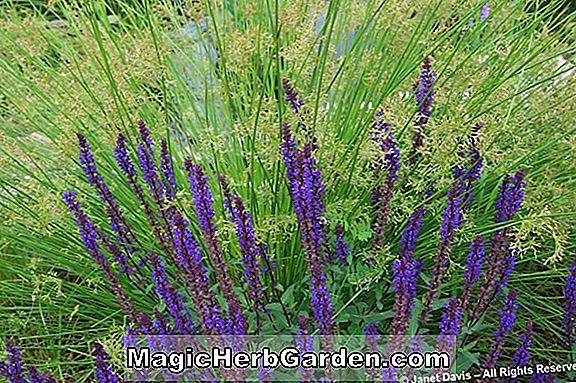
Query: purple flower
[(406, 271), (451, 220), (424, 94), (90, 235), (569, 316), (13, 370), (307, 191), (507, 317), (371, 336), (449, 325), (469, 170), (171, 297), (522, 354), (473, 269), (104, 370), (304, 343), (148, 164), (341, 248), (291, 95), (251, 250), (485, 12), (203, 199), (168, 180), (388, 167), (117, 222), (542, 378), (190, 261), (501, 261)]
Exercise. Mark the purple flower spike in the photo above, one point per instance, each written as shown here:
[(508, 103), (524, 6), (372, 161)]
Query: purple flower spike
[(449, 325), (469, 170), (291, 95), (424, 94), (304, 343), (148, 164), (569, 317), (522, 354), (191, 264), (507, 317), (542, 378), (104, 370), (451, 220), (341, 247), (406, 271), (13, 369), (371, 337), (117, 222), (171, 297), (473, 268), (204, 215), (307, 191), (485, 12), (168, 180), (388, 167), (90, 236)]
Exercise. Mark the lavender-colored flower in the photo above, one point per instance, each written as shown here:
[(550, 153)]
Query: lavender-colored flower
[(500, 263), (424, 94), (13, 369), (507, 317), (104, 370), (341, 248), (190, 261), (468, 171), (291, 95), (168, 179), (89, 235), (171, 297), (205, 214), (569, 316), (473, 269), (117, 222), (307, 191), (148, 164), (449, 325), (485, 12), (522, 354), (451, 220), (387, 167), (371, 336), (540, 377), (406, 273), (304, 343)]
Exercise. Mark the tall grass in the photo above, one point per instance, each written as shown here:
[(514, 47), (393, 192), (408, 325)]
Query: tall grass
[(208, 78)]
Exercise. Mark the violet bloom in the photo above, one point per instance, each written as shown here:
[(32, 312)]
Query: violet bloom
[(251, 250), (469, 169), (473, 269), (386, 167), (424, 94), (148, 164), (449, 325), (307, 191), (168, 178), (451, 220), (371, 337), (171, 297), (304, 343), (12, 370), (522, 354), (542, 378), (291, 95), (569, 316), (104, 370), (191, 264), (501, 260), (507, 317), (89, 235), (205, 214), (485, 12), (341, 248), (117, 222), (406, 271)]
